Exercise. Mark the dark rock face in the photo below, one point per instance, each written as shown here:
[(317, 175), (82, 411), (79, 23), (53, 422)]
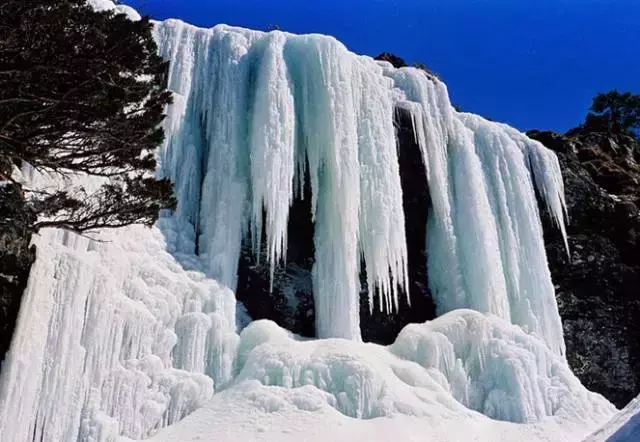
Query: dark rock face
[(16, 258), (598, 287)]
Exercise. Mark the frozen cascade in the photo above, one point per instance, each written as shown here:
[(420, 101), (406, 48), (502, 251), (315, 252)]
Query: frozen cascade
[(113, 337), (256, 109)]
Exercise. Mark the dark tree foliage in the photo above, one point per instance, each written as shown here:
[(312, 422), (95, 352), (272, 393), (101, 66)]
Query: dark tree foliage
[(83, 92), (614, 112)]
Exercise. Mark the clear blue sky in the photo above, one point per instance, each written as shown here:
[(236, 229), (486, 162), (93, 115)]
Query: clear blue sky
[(530, 63)]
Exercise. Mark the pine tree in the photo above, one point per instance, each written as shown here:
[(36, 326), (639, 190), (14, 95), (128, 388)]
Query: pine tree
[(83, 92), (615, 112)]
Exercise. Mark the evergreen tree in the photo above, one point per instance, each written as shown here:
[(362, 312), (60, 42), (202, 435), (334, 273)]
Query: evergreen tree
[(83, 92), (614, 112)]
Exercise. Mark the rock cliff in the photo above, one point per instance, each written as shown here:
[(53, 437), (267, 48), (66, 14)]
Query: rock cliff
[(598, 285)]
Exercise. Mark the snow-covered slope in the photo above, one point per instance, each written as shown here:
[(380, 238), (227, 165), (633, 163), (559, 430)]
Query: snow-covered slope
[(124, 335), (623, 427)]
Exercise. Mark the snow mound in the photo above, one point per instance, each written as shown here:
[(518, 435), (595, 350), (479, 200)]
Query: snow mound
[(485, 364), (291, 389), (107, 5), (253, 412)]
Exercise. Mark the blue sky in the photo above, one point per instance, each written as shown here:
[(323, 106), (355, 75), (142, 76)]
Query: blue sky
[(530, 63)]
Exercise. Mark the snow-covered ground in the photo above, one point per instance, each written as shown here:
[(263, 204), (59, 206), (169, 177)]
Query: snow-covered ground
[(131, 336), (251, 412)]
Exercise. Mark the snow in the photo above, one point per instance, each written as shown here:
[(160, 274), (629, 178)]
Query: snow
[(258, 413), (624, 426), (107, 5), (135, 334), (416, 389)]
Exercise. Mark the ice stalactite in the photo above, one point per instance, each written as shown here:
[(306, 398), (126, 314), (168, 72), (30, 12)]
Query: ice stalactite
[(266, 107), (484, 236), (256, 110)]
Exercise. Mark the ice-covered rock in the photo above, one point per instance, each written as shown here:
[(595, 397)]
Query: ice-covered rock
[(485, 364)]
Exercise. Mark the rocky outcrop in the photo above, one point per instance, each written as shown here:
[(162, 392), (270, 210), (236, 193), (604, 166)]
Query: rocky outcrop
[(16, 257), (598, 285)]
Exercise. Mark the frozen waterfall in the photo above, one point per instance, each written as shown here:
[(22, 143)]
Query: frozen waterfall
[(135, 337), (255, 110)]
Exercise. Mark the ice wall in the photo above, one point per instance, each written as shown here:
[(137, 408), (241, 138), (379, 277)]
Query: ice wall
[(113, 337), (255, 110)]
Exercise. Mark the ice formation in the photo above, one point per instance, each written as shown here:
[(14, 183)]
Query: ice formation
[(247, 125), (255, 110), (486, 365), (121, 337), (114, 337)]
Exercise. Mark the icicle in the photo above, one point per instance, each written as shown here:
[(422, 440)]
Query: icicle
[(263, 107), (268, 108), (484, 238), (546, 171), (272, 150)]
